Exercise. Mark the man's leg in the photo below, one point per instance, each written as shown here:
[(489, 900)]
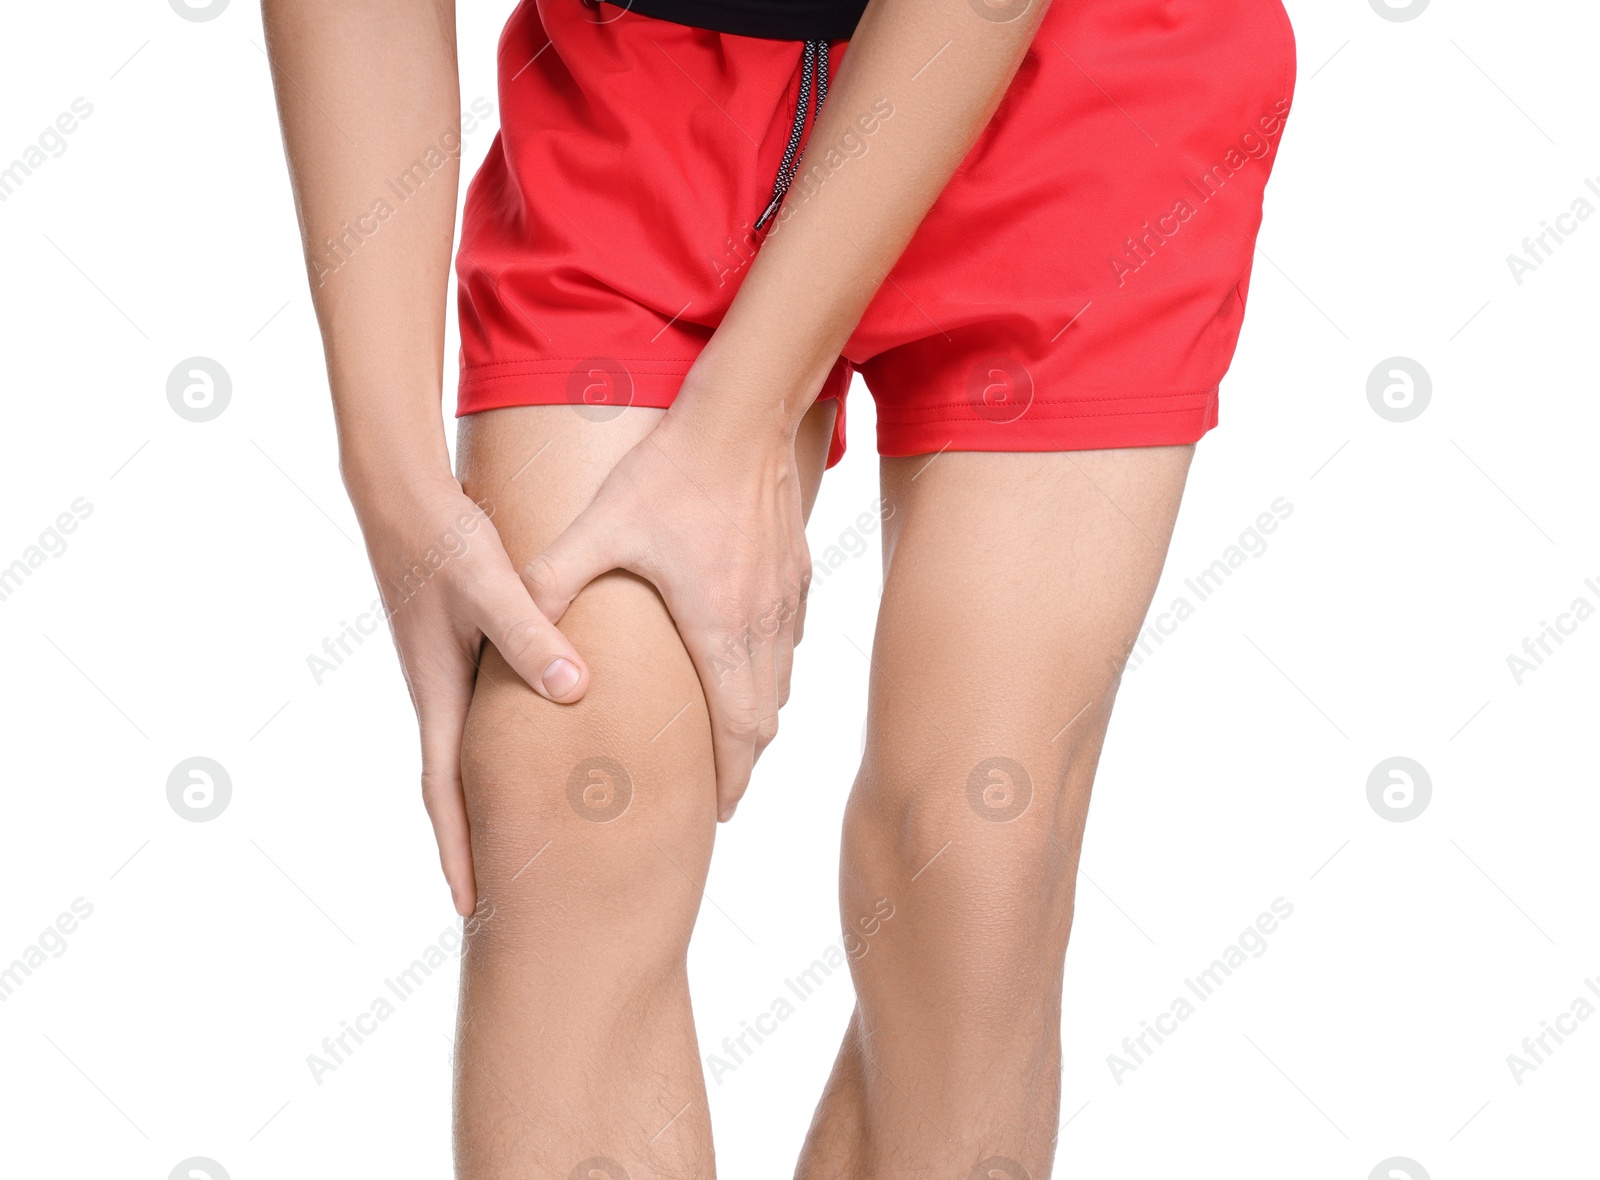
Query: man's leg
[(1014, 584), (592, 827)]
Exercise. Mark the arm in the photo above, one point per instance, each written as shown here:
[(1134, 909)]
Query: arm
[(737, 593), (365, 88), (944, 69)]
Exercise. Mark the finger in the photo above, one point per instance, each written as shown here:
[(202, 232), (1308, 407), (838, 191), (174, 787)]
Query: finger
[(529, 642), (729, 685), (788, 640), (587, 548), (783, 658), (765, 637), (442, 717), (782, 662)]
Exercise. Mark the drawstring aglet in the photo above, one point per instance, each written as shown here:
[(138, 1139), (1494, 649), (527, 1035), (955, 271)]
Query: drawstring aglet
[(766, 215)]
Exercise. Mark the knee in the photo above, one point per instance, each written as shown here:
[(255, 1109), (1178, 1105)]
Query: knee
[(978, 853), (598, 815)]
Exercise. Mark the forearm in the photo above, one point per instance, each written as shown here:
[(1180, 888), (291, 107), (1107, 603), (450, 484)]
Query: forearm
[(943, 70), (366, 89)]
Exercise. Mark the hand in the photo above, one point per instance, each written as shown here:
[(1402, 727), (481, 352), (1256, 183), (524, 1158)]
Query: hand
[(448, 584), (710, 514)]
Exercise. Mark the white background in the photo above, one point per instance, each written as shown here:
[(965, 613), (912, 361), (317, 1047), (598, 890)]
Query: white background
[(1418, 556)]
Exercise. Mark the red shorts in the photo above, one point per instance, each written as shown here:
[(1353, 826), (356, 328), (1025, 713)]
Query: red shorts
[(1079, 284)]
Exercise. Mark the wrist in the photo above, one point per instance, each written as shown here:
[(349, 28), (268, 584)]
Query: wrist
[(738, 423), (389, 443), (743, 395), (383, 481)]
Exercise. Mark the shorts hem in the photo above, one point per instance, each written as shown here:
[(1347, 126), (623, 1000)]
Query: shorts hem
[(1174, 420), (552, 381), (652, 384)]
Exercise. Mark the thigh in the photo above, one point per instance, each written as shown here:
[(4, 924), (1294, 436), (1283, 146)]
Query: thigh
[(534, 468), (1014, 585), (1031, 570)]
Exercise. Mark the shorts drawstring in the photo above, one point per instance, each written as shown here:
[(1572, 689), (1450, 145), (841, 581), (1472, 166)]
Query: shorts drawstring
[(814, 64)]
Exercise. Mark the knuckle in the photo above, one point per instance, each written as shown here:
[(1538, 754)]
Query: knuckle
[(727, 614), (741, 724), (771, 620), (541, 572), (437, 787), (522, 639)]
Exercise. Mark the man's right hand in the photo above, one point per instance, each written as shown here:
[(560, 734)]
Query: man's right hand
[(447, 584)]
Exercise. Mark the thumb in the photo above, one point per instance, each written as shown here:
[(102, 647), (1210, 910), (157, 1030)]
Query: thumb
[(587, 549), (529, 641)]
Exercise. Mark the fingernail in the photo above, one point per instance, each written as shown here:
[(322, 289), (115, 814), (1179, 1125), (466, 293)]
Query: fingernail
[(560, 678), (727, 813)]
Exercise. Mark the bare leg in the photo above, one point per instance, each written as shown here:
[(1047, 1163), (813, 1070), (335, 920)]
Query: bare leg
[(1013, 586), (592, 827)]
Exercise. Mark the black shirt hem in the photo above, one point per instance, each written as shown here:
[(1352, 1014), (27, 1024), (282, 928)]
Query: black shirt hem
[(778, 20)]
